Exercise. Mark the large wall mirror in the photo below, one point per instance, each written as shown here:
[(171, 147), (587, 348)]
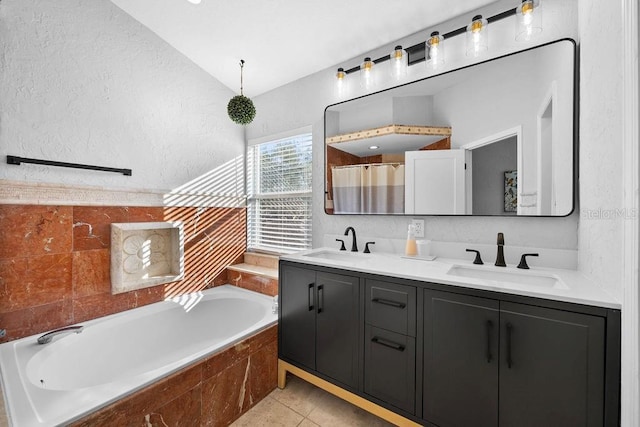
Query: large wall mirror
[(494, 138)]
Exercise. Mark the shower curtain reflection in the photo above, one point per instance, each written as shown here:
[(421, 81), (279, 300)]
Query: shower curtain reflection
[(370, 188)]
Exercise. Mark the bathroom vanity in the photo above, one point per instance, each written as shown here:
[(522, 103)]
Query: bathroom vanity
[(447, 343)]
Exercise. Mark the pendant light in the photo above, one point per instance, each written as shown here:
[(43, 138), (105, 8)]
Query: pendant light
[(240, 108)]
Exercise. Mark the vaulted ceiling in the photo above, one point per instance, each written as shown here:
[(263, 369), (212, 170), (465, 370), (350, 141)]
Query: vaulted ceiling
[(284, 40)]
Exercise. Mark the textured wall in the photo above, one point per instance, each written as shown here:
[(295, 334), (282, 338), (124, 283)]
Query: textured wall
[(83, 82), (601, 193), (303, 102)]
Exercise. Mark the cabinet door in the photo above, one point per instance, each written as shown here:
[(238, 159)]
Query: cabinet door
[(460, 360), (297, 323), (337, 327), (390, 367), (551, 368)]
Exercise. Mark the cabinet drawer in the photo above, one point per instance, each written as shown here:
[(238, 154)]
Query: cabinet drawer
[(391, 306), (389, 366)]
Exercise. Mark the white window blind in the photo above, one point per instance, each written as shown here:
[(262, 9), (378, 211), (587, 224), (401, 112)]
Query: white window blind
[(279, 190)]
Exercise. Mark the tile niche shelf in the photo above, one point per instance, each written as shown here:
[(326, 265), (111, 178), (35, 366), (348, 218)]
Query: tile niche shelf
[(145, 254)]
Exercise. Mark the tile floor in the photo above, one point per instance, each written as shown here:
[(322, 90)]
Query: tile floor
[(4, 419), (304, 405)]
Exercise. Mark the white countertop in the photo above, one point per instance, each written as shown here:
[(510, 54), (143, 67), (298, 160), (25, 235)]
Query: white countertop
[(573, 286)]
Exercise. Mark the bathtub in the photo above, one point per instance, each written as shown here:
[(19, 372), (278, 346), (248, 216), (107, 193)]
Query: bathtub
[(76, 374)]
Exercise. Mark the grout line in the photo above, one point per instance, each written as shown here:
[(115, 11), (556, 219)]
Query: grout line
[(293, 410)]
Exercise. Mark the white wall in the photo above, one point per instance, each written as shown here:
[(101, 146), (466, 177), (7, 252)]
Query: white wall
[(302, 103), (523, 83), (601, 153), (83, 82)]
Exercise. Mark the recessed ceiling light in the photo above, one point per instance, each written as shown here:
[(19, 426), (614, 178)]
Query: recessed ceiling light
[(194, 1), (373, 147)]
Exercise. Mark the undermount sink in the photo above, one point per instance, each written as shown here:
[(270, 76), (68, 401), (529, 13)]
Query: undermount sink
[(337, 256), (508, 277)]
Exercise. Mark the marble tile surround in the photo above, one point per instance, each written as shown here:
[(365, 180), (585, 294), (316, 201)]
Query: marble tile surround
[(212, 392), (55, 260), (145, 254), (253, 282)]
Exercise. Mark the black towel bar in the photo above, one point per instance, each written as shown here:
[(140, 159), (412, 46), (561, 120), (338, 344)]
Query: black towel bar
[(14, 160)]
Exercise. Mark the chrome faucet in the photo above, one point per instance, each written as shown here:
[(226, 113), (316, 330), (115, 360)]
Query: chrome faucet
[(46, 338), (500, 256), (354, 243)]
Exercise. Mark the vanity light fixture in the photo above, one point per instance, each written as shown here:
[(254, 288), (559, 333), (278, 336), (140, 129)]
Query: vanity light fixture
[(398, 63), (528, 23), (434, 54), (366, 74), (477, 36), (528, 20)]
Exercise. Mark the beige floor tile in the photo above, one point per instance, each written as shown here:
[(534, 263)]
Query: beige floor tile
[(307, 423), (335, 412), (4, 418), (269, 412), (302, 399), (299, 395)]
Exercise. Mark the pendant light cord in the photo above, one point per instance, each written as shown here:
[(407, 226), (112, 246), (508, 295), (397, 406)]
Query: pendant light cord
[(241, 67)]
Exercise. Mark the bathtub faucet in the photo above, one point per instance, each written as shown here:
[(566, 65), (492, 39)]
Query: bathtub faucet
[(46, 338)]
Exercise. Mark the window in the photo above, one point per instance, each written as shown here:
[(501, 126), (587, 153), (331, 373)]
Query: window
[(279, 190)]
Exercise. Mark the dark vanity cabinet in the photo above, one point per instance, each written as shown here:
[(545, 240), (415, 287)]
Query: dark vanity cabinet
[(511, 364), (319, 324), (390, 343), (460, 360), (449, 356), (551, 367)]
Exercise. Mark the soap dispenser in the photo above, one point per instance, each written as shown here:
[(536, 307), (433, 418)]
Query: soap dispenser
[(411, 249)]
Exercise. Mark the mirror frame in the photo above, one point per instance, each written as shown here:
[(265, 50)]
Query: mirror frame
[(575, 136)]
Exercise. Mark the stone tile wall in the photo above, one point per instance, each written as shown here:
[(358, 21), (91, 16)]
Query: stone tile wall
[(54, 261), (253, 282)]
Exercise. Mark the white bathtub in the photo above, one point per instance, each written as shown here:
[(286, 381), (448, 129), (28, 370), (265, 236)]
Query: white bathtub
[(56, 383)]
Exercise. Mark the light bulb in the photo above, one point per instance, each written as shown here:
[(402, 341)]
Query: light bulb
[(367, 77), (398, 63), (435, 51), (477, 36), (341, 83), (528, 20)]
